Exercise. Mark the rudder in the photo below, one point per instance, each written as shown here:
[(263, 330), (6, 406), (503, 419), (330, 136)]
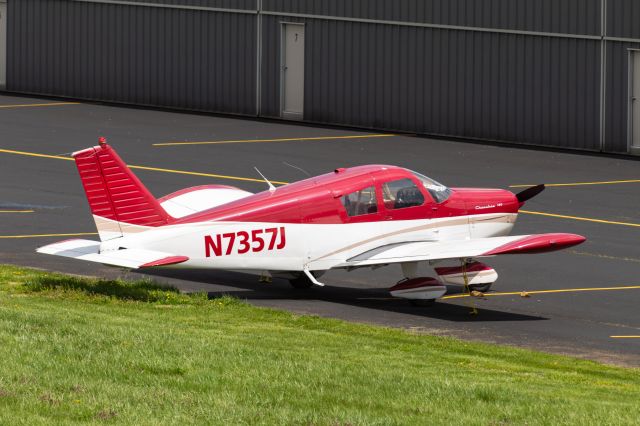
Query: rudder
[(119, 202)]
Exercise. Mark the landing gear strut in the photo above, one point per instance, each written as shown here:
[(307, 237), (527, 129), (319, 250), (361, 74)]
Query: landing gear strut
[(302, 281)]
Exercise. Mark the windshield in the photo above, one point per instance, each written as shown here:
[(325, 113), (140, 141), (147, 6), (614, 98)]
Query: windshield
[(438, 191)]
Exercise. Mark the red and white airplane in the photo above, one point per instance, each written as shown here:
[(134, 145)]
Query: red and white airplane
[(366, 216)]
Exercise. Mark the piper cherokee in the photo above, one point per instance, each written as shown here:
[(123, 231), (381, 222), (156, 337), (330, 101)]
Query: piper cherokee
[(366, 216)]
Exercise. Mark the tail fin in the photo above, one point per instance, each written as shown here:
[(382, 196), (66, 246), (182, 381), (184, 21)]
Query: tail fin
[(120, 203)]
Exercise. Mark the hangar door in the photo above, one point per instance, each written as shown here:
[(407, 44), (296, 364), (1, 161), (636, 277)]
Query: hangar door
[(634, 112), (292, 74), (3, 45)]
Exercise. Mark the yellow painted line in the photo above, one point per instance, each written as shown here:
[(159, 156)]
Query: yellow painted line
[(155, 169), (80, 234), (604, 256), (40, 105), (33, 154), (608, 182), (564, 290), (321, 138), (16, 211), (585, 219), (625, 337)]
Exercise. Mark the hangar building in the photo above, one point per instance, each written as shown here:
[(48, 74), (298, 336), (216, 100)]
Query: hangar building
[(559, 73)]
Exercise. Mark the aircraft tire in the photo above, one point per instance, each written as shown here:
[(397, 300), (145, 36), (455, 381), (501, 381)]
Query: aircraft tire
[(482, 288), (422, 302)]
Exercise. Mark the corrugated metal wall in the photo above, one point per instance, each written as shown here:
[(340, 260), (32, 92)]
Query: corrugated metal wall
[(622, 23), (523, 71), (192, 59), (529, 89), (561, 16)]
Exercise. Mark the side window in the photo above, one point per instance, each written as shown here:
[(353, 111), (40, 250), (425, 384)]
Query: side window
[(402, 193), (360, 202)]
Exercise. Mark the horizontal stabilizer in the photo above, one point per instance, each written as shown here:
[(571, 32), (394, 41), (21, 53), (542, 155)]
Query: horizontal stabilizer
[(127, 258), (478, 247)]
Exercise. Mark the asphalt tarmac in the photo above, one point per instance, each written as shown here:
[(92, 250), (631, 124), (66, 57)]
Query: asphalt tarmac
[(42, 195)]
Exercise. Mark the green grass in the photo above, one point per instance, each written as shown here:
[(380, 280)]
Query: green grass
[(76, 350)]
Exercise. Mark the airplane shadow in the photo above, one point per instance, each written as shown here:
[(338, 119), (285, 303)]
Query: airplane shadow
[(245, 286)]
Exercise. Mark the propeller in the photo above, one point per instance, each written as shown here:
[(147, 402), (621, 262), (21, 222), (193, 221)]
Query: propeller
[(529, 193)]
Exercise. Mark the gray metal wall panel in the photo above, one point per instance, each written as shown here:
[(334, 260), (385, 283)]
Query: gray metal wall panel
[(617, 100), (622, 18), (536, 90), (223, 4), (507, 87), (142, 55), (559, 16)]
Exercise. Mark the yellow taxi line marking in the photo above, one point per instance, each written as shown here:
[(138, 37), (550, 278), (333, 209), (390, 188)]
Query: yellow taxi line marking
[(16, 211), (585, 219), (40, 105), (564, 290), (625, 337), (33, 154), (320, 138), (604, 256), (155, 169), (79, 234), (609, 182)]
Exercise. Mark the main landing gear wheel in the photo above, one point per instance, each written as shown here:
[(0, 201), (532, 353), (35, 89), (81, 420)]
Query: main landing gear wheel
[(420, 291), (422, 302), (482, 288)]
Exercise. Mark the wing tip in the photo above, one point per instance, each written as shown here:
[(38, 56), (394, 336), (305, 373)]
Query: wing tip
[(540, 243)]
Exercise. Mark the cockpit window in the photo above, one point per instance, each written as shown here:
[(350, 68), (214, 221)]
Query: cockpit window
[(360, 202), (401, 193), (439, 192)]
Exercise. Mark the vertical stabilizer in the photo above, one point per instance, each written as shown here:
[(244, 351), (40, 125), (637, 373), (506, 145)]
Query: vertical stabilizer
[(119, 202)]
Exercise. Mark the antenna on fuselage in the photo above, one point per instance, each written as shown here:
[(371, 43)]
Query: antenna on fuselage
[(271, 187), (297, 168)]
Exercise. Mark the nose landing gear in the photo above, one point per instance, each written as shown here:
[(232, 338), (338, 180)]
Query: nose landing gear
[(480, 277)]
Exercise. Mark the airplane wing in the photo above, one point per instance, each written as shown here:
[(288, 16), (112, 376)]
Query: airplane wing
[(478, 247), (127, 258)]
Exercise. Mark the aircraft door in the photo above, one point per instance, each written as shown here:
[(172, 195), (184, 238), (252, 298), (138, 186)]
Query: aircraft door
[(360, 217), (292, 72), (634, 106)]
